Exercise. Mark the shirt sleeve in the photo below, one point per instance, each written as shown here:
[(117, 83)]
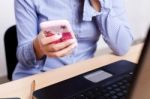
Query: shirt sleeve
[(113, 24), (27, 29)]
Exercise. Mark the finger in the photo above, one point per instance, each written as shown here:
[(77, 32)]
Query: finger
[(59, 46), (47, 40), (68, 53), (62, 52), (41, 35)]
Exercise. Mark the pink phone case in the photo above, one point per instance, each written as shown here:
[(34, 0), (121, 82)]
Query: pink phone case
[(58, 27)]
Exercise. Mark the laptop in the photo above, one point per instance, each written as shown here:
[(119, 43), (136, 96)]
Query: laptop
[(119, 80)]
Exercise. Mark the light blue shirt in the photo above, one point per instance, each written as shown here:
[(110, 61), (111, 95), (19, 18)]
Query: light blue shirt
[(87, 24)]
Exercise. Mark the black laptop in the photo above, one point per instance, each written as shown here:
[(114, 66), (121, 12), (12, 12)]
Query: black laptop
[(114, 81)]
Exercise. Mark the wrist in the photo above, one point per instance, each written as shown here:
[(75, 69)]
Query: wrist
[(37, 49)]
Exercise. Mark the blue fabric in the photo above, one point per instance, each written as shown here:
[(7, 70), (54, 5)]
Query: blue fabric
[(87, 24)]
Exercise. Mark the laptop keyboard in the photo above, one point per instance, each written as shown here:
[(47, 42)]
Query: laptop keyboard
[(115, 90)]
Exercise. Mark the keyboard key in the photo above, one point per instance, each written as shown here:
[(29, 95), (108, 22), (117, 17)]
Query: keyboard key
[(107, 94), (125, 91), (114, 85), (120, 94), (109, 88), (100, 97), (114, 97), (112, 92), (123, 87), (120, 83), (117, 89)]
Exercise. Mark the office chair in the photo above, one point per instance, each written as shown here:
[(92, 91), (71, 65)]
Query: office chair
[(10, 43)]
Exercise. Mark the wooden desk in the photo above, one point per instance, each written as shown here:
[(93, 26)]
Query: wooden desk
[(23, 88)]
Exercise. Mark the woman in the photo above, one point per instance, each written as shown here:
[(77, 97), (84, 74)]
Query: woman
[(89, 19)]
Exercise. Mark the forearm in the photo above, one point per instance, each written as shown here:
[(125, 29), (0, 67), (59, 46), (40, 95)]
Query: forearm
[(115, 29), (26, 55), (116, 34), (27, 29)]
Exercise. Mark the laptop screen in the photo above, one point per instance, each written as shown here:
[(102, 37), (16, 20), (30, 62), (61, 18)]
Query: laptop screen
[(141, 86)]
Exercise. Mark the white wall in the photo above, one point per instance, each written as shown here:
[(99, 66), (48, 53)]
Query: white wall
[(137, 13), (139, 16), (6, 20)]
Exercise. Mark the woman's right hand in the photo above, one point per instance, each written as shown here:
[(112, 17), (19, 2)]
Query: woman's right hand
[(43, 46)]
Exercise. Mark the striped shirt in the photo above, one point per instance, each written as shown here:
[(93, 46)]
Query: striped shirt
[(88, 25)]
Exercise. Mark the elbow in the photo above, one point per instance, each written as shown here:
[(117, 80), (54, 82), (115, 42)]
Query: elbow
[(121, 51), (121, 48)]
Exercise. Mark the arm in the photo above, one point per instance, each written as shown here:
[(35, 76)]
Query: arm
[(27, 29), (113, 25), (31, 49)]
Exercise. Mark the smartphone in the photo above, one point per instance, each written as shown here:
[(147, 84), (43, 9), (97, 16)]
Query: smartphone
[(58, 27)]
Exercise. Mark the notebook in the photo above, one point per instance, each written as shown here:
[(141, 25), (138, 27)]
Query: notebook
[(119, 80)]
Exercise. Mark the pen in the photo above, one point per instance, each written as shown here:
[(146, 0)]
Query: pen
[(32, 89)]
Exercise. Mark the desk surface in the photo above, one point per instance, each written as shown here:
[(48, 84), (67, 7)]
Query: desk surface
[(23, 88)]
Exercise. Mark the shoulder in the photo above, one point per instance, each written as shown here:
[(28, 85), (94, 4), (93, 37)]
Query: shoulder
[(26, 2)]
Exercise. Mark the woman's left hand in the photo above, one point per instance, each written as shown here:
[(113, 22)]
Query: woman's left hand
[(96, 5)]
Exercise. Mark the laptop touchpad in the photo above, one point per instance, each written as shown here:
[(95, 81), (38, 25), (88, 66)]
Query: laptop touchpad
[(97, 76)]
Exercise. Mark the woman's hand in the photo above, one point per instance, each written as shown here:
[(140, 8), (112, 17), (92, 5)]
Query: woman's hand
[(96, 5), (43, 46)]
